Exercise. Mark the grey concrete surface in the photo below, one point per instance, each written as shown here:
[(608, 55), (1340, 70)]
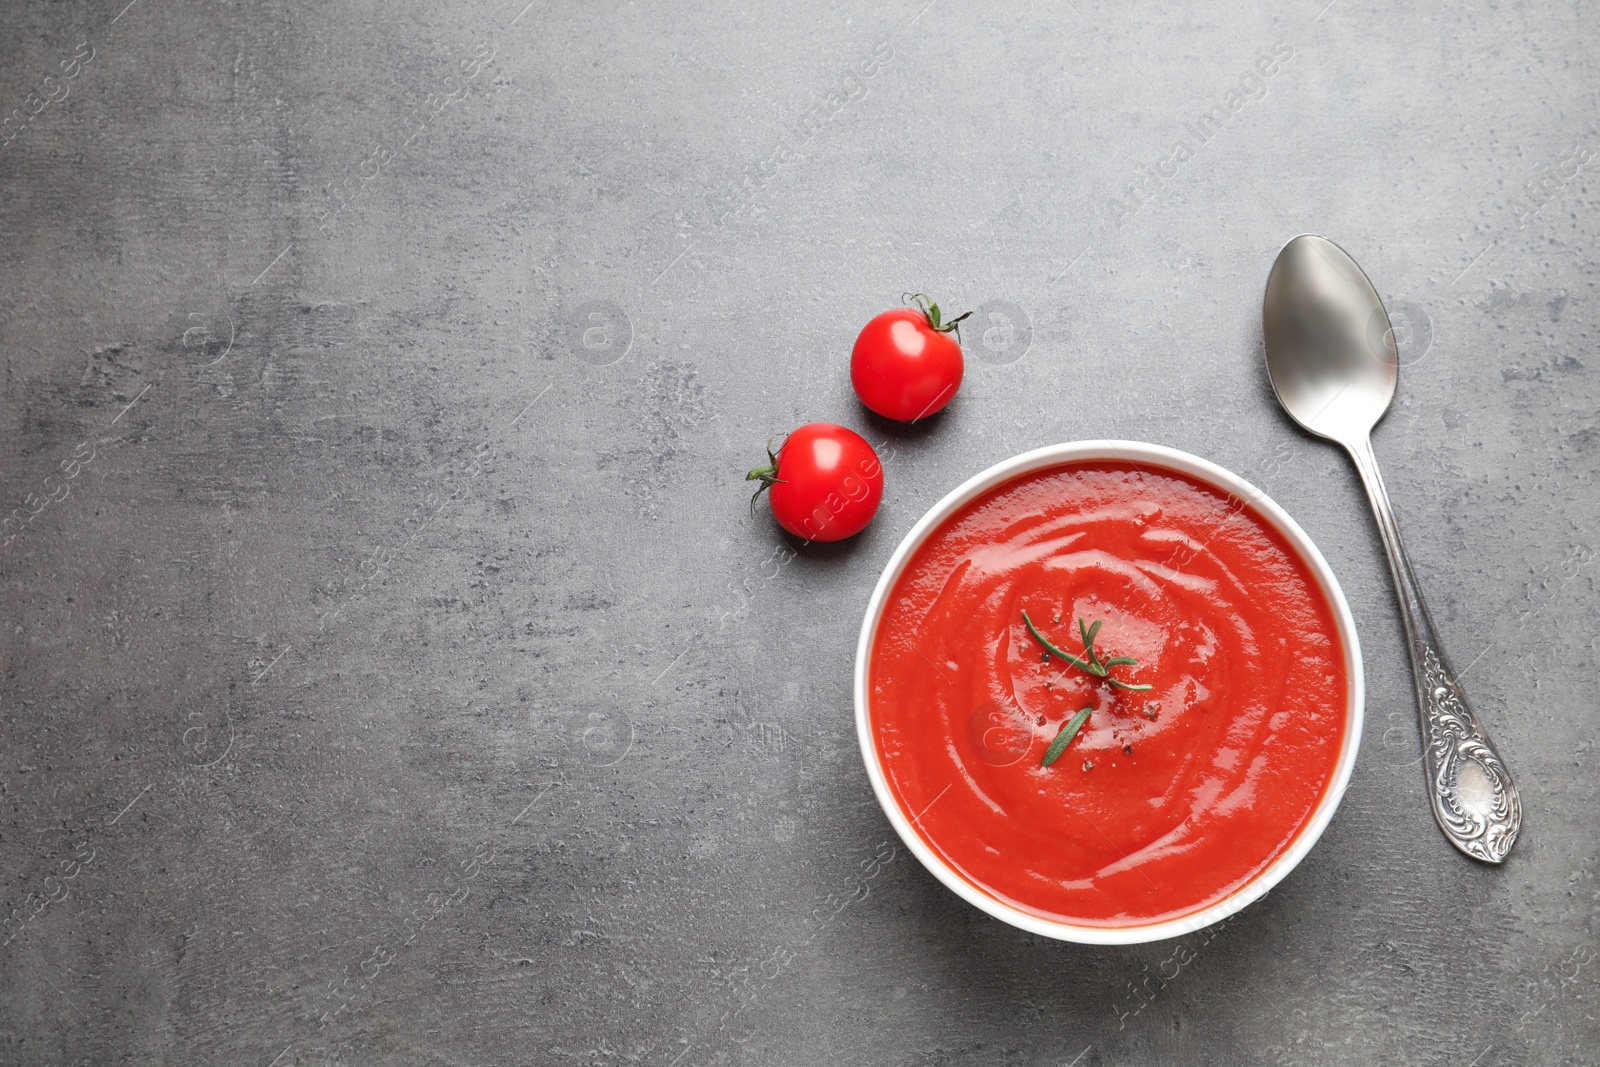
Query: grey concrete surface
[(391, 672)]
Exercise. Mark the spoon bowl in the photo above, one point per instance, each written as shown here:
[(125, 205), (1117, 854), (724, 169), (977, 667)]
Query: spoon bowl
[(1330, 349)]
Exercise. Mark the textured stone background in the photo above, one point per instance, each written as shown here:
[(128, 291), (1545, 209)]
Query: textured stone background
[(400, 677)]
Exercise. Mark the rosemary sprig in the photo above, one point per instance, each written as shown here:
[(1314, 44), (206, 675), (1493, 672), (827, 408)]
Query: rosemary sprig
[(1064, 738), (1054, 651), (1093, 664)]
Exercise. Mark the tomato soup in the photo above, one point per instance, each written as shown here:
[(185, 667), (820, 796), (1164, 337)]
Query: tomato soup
[(1167, 800)]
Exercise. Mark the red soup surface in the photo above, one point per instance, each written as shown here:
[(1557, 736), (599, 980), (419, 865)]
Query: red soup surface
[(1167, 800)]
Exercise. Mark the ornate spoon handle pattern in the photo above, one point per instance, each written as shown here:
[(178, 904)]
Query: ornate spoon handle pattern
[(1473, 797)]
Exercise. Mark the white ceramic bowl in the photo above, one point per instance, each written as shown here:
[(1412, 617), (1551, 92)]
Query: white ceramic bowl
[(1210, 474)]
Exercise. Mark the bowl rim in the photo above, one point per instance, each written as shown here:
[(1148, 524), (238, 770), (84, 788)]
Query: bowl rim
[(1217, 477)]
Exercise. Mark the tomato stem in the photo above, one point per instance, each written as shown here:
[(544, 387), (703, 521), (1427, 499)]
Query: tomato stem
[(930, 311), (768, 475)]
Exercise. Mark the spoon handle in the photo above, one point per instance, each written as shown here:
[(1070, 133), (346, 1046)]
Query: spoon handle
[(1473, 797)]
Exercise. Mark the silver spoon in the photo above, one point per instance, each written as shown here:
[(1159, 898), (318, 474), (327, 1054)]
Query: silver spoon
[(1332, 361)]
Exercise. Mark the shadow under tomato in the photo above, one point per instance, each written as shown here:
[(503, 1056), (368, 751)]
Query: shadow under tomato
[(821, 551), (881, 428)]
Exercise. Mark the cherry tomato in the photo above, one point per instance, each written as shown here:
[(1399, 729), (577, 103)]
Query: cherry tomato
[(905, 365), (824, 483)]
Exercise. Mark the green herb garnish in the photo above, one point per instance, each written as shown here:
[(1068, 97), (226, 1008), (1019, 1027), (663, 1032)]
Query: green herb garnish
[(1064, 738), (1093, 664)]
